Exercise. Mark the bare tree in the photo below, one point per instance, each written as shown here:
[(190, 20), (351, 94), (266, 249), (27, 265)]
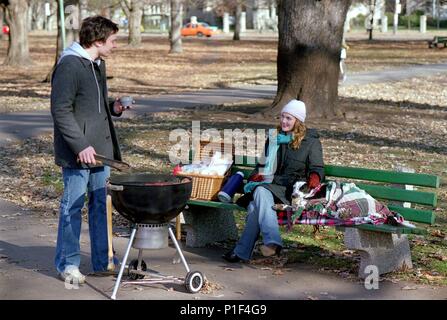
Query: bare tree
[(37, 14), (235, 7), (2, 15), (59, 45), (72, 20), (134, 12), (83, 9), (310, 37), (175, 36), (16, 17), (237, 29)]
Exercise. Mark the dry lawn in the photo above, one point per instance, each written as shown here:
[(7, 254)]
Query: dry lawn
[(205, 63), (386, 125)]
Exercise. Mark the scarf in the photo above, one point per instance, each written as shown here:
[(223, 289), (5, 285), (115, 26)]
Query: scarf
[(272, 150)]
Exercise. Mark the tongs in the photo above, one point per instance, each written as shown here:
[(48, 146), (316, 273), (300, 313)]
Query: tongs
[(118, 165)]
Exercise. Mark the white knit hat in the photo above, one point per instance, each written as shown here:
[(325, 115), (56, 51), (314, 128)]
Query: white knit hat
[(296, 108)]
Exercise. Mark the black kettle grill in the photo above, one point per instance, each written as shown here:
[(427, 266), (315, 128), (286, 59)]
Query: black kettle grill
[(150, 202)]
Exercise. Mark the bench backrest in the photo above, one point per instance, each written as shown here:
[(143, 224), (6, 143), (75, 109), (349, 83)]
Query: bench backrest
[(380, 184)]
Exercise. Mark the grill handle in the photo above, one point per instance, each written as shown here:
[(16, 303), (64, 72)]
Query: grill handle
[(114, 187)]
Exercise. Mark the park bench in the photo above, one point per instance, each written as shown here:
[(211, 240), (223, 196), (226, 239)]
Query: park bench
[(384, 246), (437, 40)]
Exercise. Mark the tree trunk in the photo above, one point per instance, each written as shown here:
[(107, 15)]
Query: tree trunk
[(16, 17), (237, 29), (2, 14), (83, 6), (59, 47), (134, 12), (72, 21), (310, 37), (371, 21), (175, 36), (37, 14)]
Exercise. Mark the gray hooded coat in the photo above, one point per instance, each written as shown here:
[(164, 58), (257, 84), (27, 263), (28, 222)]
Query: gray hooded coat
[(81, 109), (295, 165)]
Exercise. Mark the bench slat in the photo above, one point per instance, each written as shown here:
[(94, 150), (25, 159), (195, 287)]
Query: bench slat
[(246, 171), (391, 229), (416, 215), (395, 177), (389, 193), (379, 228), (417, 179), (214, 204)]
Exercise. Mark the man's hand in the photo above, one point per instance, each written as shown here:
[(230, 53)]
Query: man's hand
[(118, 107), (87, 155)]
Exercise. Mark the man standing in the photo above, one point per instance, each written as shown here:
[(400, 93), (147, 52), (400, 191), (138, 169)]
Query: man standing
[(83, 127)]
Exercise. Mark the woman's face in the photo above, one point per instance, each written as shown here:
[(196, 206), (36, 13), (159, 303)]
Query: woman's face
[(287, 122)]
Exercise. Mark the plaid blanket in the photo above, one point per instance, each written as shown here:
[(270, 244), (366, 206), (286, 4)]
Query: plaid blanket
[(337, 203)]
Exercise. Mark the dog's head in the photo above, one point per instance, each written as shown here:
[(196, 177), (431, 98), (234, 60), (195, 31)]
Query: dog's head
[(298, 195)]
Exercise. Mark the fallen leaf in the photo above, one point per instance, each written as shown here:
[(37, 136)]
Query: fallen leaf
[(228, 269), (409, 288), (430, 277), (266, 268), (438, 233), (278, 272)]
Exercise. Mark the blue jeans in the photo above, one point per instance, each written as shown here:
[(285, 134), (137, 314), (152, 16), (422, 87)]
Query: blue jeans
[(78, 182), (261, 218)]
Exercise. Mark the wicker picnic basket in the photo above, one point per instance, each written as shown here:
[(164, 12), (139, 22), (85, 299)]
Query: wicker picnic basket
[(206, 187)]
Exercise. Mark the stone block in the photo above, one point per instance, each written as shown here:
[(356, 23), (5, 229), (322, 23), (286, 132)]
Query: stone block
[(387, 251)]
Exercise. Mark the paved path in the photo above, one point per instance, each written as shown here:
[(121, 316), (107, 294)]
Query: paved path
[(19, 126), (27, 245)]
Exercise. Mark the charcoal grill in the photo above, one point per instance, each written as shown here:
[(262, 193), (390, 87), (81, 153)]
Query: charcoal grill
[(150, 202)]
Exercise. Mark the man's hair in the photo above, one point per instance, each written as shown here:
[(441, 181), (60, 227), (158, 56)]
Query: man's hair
[(96, 28)]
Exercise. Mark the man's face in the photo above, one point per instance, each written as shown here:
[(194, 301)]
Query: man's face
[(105, 48)]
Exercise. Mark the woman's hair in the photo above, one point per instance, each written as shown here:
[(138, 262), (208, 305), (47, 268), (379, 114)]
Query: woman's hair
[(298, 131), (96, 28)]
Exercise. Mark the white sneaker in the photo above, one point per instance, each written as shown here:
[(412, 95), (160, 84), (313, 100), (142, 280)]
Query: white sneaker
[(72, 275)]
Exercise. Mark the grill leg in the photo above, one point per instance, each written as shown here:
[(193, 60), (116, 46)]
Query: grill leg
[(123, 263), (182, 257), (140, 259)]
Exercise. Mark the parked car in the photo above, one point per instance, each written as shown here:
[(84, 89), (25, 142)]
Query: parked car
[(5, 29), (199, 29)]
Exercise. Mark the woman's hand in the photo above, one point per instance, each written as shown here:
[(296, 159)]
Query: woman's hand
[(313, 181)]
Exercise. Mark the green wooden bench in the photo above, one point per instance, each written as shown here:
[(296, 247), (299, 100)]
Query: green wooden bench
[(383, 246), (437, 40)]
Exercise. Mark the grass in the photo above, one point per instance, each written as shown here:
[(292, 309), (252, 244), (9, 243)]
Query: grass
[(53, 179), (368, 139)]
